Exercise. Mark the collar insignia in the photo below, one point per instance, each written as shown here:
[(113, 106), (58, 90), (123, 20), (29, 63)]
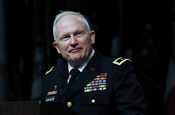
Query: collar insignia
[(91, 68)]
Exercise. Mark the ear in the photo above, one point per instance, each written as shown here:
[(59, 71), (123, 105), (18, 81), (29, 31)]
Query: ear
[(92, 36), (56, 46)]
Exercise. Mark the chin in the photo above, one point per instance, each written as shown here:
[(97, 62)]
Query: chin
[(79, 58)]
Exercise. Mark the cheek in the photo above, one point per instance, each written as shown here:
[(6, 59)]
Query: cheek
[(64, 44), (87, 45), (89, 42), (61, 47)]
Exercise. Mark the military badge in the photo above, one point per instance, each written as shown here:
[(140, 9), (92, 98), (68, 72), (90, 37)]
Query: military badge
[(52, 93), (98, 83), (55, 87), (120, 61), (49, 70)]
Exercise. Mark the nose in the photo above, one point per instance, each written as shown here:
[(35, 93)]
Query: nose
[(74, 41)]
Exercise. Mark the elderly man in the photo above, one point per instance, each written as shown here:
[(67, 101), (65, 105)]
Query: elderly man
[(89, 83)]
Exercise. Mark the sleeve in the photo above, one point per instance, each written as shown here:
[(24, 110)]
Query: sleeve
[(129, 96)]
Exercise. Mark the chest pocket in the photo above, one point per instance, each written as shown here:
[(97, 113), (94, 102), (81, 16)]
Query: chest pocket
[(94, 98)]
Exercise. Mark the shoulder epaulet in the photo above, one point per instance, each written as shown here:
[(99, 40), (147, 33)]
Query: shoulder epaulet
[(120, 60), (49, 70)]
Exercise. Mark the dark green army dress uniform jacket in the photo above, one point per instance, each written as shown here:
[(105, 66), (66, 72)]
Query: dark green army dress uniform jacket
[(106, 86)]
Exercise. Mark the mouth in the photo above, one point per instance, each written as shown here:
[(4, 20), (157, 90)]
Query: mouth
[(75, 50)]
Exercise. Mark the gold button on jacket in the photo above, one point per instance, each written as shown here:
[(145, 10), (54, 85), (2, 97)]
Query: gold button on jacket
[(69, 104), (93, 101)]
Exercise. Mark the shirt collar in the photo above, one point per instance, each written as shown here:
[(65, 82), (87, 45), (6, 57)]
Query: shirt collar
[(82, 66)]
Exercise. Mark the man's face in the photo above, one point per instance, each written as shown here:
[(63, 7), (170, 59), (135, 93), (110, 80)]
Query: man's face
[(74, 41)]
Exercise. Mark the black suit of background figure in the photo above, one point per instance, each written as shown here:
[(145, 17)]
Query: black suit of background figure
[(105, 86)]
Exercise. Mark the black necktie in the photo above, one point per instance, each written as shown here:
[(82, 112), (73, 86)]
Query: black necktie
[(74, 73)]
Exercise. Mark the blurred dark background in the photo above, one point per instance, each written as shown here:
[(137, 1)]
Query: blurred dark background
[(137, 29)]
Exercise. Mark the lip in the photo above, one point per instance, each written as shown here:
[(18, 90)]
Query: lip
[(74, 50)]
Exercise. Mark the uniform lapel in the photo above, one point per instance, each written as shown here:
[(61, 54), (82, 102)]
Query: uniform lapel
[(62, 71), (57, 77), (88, 74)]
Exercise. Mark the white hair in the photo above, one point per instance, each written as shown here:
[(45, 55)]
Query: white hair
[(63, 13)]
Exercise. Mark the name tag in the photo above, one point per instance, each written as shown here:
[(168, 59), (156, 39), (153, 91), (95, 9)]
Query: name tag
[(51, 98)]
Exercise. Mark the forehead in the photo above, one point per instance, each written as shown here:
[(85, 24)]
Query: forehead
[(70, 16), (69, 23)]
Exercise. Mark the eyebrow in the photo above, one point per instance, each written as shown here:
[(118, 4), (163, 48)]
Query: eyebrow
[(75, 32)]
